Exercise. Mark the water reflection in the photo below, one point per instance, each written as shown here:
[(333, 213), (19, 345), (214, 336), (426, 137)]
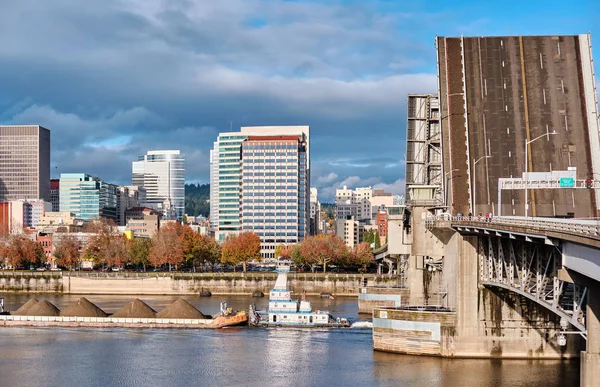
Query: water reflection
[(32, 357)]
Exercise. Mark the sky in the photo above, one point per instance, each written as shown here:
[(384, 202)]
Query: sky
[(112, 79)]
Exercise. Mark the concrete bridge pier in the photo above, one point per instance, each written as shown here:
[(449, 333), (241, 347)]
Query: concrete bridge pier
[(590, 358)]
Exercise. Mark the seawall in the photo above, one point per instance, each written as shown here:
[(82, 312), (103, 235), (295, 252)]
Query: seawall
[(184, 283)]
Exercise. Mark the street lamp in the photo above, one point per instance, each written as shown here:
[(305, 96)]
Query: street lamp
[(474, 207), (527, 167)]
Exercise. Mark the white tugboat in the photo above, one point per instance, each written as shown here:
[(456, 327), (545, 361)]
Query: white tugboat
[(284, 310)]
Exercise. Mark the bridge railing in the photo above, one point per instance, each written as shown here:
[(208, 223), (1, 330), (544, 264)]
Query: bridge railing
[(585, 227)]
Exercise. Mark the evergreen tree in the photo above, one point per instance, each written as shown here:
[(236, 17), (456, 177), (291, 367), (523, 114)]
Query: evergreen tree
[(377, 241)]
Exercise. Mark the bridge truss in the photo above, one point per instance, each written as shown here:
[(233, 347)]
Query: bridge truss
[(530, 268)]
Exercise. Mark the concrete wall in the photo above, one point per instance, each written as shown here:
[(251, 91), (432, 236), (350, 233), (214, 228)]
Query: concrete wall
[(380, 297), (411, 332), (230, 283)]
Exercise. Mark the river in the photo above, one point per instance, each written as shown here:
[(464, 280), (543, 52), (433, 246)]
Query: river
[(34, 357)]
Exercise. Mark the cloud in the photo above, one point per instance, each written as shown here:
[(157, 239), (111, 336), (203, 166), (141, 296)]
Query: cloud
[(118, 77)]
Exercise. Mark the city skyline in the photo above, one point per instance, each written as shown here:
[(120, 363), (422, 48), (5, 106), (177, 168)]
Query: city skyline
[(345, 70)]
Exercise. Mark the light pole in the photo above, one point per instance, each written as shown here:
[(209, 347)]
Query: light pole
[(527, 167), (474, 209)]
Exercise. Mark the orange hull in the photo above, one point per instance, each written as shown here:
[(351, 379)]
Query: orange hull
[(228, 321)]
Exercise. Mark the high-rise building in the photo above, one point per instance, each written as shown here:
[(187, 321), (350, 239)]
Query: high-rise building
[(24, 162), (162, 174), (88, 197), (315, 212), (349, 230), (263, 171), (275, 190), (55, 194)]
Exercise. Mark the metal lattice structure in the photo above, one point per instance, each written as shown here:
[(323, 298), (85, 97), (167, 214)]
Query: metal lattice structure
[(530, 268), (423, 142)]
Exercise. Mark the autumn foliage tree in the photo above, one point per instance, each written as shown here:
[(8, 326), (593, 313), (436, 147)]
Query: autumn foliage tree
[(21, 250), (199, 249), (242, 248), (167, 246), (106, 246), (323, 249), (66, 251), (362, 254)]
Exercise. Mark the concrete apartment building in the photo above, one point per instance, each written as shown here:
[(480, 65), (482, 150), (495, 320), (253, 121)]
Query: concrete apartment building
[(349, 230), (143, 221), (261, 170), (162, 174), (88, 197), (25, 162), (59, 222)]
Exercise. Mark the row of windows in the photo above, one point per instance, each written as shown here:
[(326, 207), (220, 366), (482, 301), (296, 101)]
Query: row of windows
[(271, 214), (270, 146), (266, 221), (261, 227), (261, 193), (268, 200), (250, 207)]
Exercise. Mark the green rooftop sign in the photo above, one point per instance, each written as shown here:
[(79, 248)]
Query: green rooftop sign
[(567, 182)]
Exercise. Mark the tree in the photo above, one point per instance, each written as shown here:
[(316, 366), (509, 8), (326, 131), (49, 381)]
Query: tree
[(386, 239), (139, 250), (323, 249), (106, 246), (279, 250), (199, 249), (242, 248), (184, 220), (362, 254), (377, 240), (24, 251), (66, 251), (167, 246)]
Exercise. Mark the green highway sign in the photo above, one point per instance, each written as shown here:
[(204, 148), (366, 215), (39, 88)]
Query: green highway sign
[(567, 182)]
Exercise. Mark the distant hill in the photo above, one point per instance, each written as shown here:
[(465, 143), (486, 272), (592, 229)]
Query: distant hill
[(329, 209), (196, 199)]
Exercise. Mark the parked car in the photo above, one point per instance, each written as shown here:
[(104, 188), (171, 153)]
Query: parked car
[(41, 268)]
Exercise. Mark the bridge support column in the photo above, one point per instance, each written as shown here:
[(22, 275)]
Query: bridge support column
[(590, 359)]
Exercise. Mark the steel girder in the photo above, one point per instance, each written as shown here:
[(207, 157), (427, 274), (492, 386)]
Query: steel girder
[(531, 270)]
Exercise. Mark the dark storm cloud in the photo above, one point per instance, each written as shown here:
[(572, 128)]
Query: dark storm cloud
[(115, 78)]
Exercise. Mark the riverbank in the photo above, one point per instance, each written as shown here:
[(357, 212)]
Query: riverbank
[(185, 283)]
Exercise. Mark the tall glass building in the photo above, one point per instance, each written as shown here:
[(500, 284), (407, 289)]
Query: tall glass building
[(87, 197), (260, 182), (24, 162), (162, 174)]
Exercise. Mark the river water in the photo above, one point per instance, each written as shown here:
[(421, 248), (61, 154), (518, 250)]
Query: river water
[(239, 356)]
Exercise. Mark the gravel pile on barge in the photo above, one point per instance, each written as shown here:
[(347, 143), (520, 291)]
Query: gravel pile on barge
[(82, 308), (135, 309), (181, 309), (22, 311), (43, 308)]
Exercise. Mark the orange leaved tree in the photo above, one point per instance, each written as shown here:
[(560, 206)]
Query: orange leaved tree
[(323, 249), (66, 251), (167, 246), (241, 248), (362, 255)]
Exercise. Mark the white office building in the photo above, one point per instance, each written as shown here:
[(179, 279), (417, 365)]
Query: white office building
[(162, 174), (356, 203), (260, 183), (315, 212)]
